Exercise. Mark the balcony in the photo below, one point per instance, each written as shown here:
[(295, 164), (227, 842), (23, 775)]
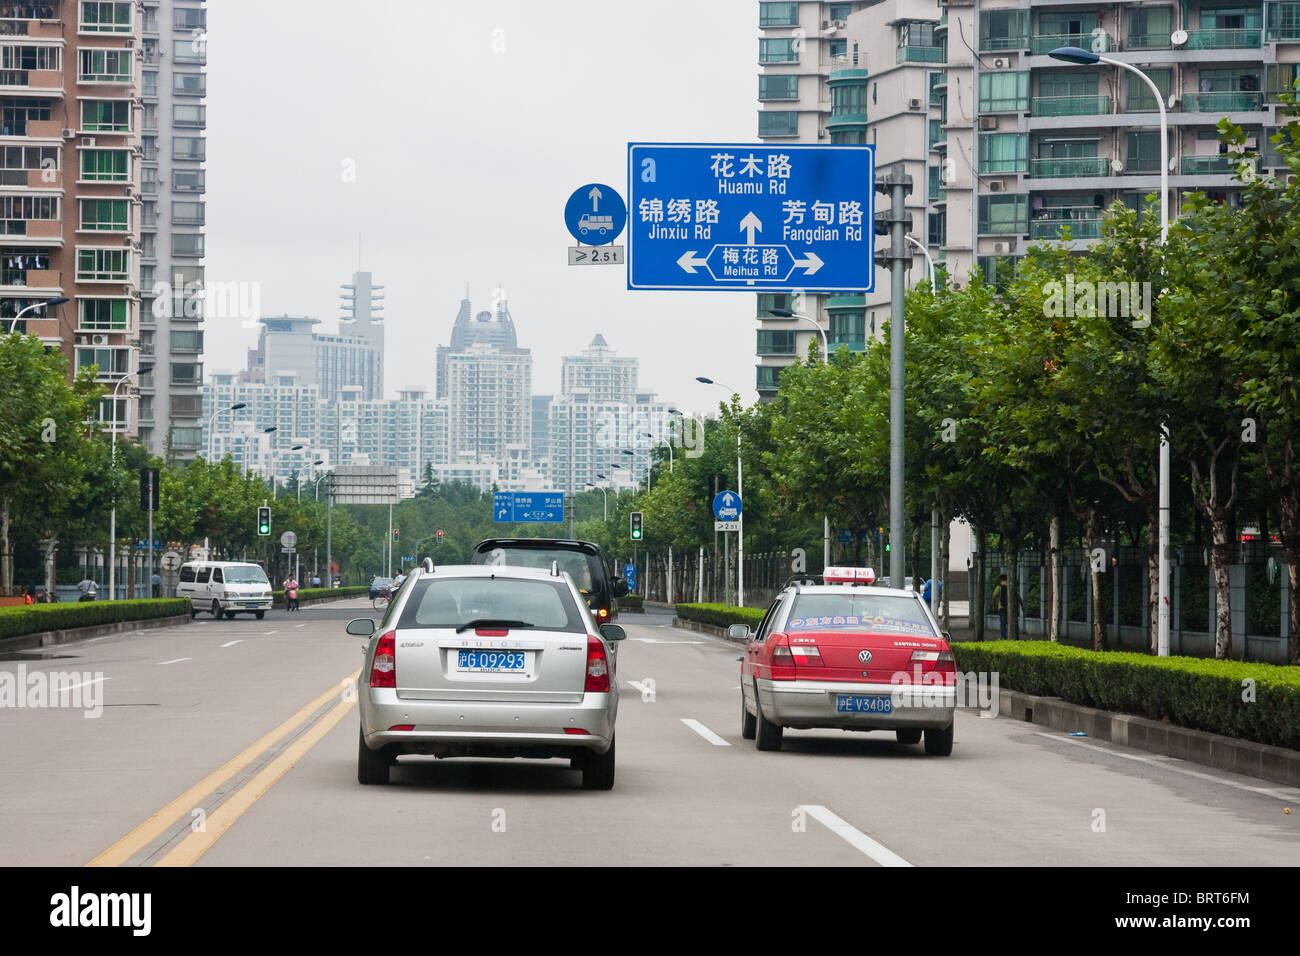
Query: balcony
[(11, 26), (43, 231), (44, 280), (1069, 105), (1045, 43), (1051, 228), (1147, 41), (1227, 102), (1069, 168), (1224, 39), (47, 82), (992, 44), (920, 54), (775, 343), (32, 178), (1223, 164)]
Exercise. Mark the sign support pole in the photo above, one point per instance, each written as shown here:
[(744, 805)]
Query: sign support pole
[(898, 185)]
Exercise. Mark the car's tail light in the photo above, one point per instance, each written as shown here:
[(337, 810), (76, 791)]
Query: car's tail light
[(924, 657), (603, 613), (935, 662), (947, 663), (806, 654), (383, 667), (783, 659), (597, 667)]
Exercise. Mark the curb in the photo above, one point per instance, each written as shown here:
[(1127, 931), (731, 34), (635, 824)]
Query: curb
[(1246, 757), (68, 635), (278, 605), (712, 629)]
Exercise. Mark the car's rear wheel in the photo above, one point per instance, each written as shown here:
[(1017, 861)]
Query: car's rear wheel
[(908, 736), (372, 765), (938, 743), (748, 722), (216, 608), (767, 735), (598, 770)]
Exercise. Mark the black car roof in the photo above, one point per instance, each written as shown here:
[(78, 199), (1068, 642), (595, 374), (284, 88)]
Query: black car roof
[(587, 546)]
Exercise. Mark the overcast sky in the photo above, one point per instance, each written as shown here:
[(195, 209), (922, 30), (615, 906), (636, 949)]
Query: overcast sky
[(467, 124)]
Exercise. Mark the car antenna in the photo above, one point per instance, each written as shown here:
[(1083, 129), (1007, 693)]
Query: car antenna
[(555, 569)]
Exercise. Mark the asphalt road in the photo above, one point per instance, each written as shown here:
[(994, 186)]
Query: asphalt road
[(234, 743)]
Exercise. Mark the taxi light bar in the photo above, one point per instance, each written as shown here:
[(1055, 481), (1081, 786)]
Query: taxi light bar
[(849, 576)]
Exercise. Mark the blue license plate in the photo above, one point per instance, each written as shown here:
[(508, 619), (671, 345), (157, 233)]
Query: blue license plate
[(490, 662), (862, 704)]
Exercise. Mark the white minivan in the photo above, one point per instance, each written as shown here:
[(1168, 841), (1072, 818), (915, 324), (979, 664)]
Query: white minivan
[(225, 587)]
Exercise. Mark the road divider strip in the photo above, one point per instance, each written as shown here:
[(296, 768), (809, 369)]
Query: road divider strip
[(148, 831), (704, 732), (853, 836), (187, 852)]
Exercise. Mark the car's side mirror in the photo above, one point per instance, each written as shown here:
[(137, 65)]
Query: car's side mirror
[(620, 588), (361, 627), (738, 632), (613, 632), (947, 636)]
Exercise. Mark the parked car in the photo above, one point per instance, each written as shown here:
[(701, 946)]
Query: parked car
[(225, 587), (474, 661), (581, 560)]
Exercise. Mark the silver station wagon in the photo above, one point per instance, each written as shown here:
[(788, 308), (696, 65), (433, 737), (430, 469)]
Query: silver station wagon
[(487, 661)]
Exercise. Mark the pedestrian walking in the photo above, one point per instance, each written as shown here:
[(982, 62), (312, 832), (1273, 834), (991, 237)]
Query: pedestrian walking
[(157, 584), (87, 587), (1000, 604)]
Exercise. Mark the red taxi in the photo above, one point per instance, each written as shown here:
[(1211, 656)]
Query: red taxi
[(847, 655)]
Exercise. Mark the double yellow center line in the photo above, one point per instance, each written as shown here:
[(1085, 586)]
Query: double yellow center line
[(220, 820)]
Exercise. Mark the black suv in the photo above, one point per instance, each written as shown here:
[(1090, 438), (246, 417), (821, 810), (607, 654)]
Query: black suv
[(583, 561)]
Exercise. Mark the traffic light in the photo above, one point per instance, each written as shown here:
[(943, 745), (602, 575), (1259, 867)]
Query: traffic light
[(636, 526), (397, 533), (264, 520)]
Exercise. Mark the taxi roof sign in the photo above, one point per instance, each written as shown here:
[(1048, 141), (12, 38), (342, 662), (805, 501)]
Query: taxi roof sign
[(849, 576)]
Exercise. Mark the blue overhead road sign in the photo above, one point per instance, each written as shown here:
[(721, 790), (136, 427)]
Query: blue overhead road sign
[(595, 214), (527, 506), (750, 217), (726, 506)]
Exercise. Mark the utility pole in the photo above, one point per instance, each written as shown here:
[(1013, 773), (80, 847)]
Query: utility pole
[(895, 223)]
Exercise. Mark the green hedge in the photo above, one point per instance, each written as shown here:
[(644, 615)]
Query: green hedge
[(631, 602), (721, 615), (1188, 691), (36, 618), (307, 594)]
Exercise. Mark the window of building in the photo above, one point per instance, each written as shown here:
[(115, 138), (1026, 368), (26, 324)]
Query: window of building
[(18, 112), (102, 315), (187, 213), (29, 58), (1003, 215), (190, 84), (16, 210), (1149, 28), (187, 244), (1004, 29), (106, 66), (99, 17), (849, 137), (778, 14), (103, 265), (193, 51), (775, 342), (187, 373), (149, 180), (106, 116), (189, 147), (1003, 152), (778, 50), (187, 341), (1004, 92), (189, 114), (187, 180), (1282, 77), (784, 87), (1142, 151), (149, 83), (778, 123), (1138, 96), (21, 159), (849, 99), (189, 18), (104, 215), (937, 223), (847, 329), (840, 11)]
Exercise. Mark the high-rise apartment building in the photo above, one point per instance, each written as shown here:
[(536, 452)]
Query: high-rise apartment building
[(172, 215), (485, 328), (69, 186), (1006, 145), (289, 345)]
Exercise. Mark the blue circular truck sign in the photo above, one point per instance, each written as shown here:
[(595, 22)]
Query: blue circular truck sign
[(595, 214)]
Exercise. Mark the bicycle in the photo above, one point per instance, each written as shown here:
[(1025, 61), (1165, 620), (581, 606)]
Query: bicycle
[(380, 601)]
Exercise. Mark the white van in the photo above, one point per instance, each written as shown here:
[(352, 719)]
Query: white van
[(225, 587)]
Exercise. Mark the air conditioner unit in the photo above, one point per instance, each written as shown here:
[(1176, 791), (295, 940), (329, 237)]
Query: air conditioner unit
[(128, 42), (69, 133), (87, 141), (997, 186), (988, 122), (999, 248), (999, 64), (99, 339), (823, 132), (914, 104), (137, 150), (83, 339)]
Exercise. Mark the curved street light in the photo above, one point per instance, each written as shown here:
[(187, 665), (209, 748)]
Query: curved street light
[(229, 408)]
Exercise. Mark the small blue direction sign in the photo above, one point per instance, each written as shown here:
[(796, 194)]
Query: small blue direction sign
[(595, 214), (527, 506), (726, 506), (751, 217), (629, 575)]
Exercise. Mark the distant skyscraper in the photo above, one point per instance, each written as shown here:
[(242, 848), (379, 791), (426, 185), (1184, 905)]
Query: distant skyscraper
[(541, 428), (469, 329), (362, 301), (288, 344)]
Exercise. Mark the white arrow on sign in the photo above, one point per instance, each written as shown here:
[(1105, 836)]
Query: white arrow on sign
[(811, 263), (594, 196), (748, 225), (689, 262), (727, 500)]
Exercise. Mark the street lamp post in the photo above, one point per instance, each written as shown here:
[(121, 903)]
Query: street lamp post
[(604, 497), (212, 420), (13, 324), (318, 461), (605, 494), (112, 516), (740, 491), (1074, 54), (273, 457), (934, 513), (669, 445)]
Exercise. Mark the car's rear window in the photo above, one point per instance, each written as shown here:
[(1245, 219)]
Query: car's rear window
[(452, 602), (583, 568), (859, 609)]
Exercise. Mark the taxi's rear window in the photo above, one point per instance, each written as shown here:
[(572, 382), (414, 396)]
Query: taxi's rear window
[(584, 568), (859, 610)]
